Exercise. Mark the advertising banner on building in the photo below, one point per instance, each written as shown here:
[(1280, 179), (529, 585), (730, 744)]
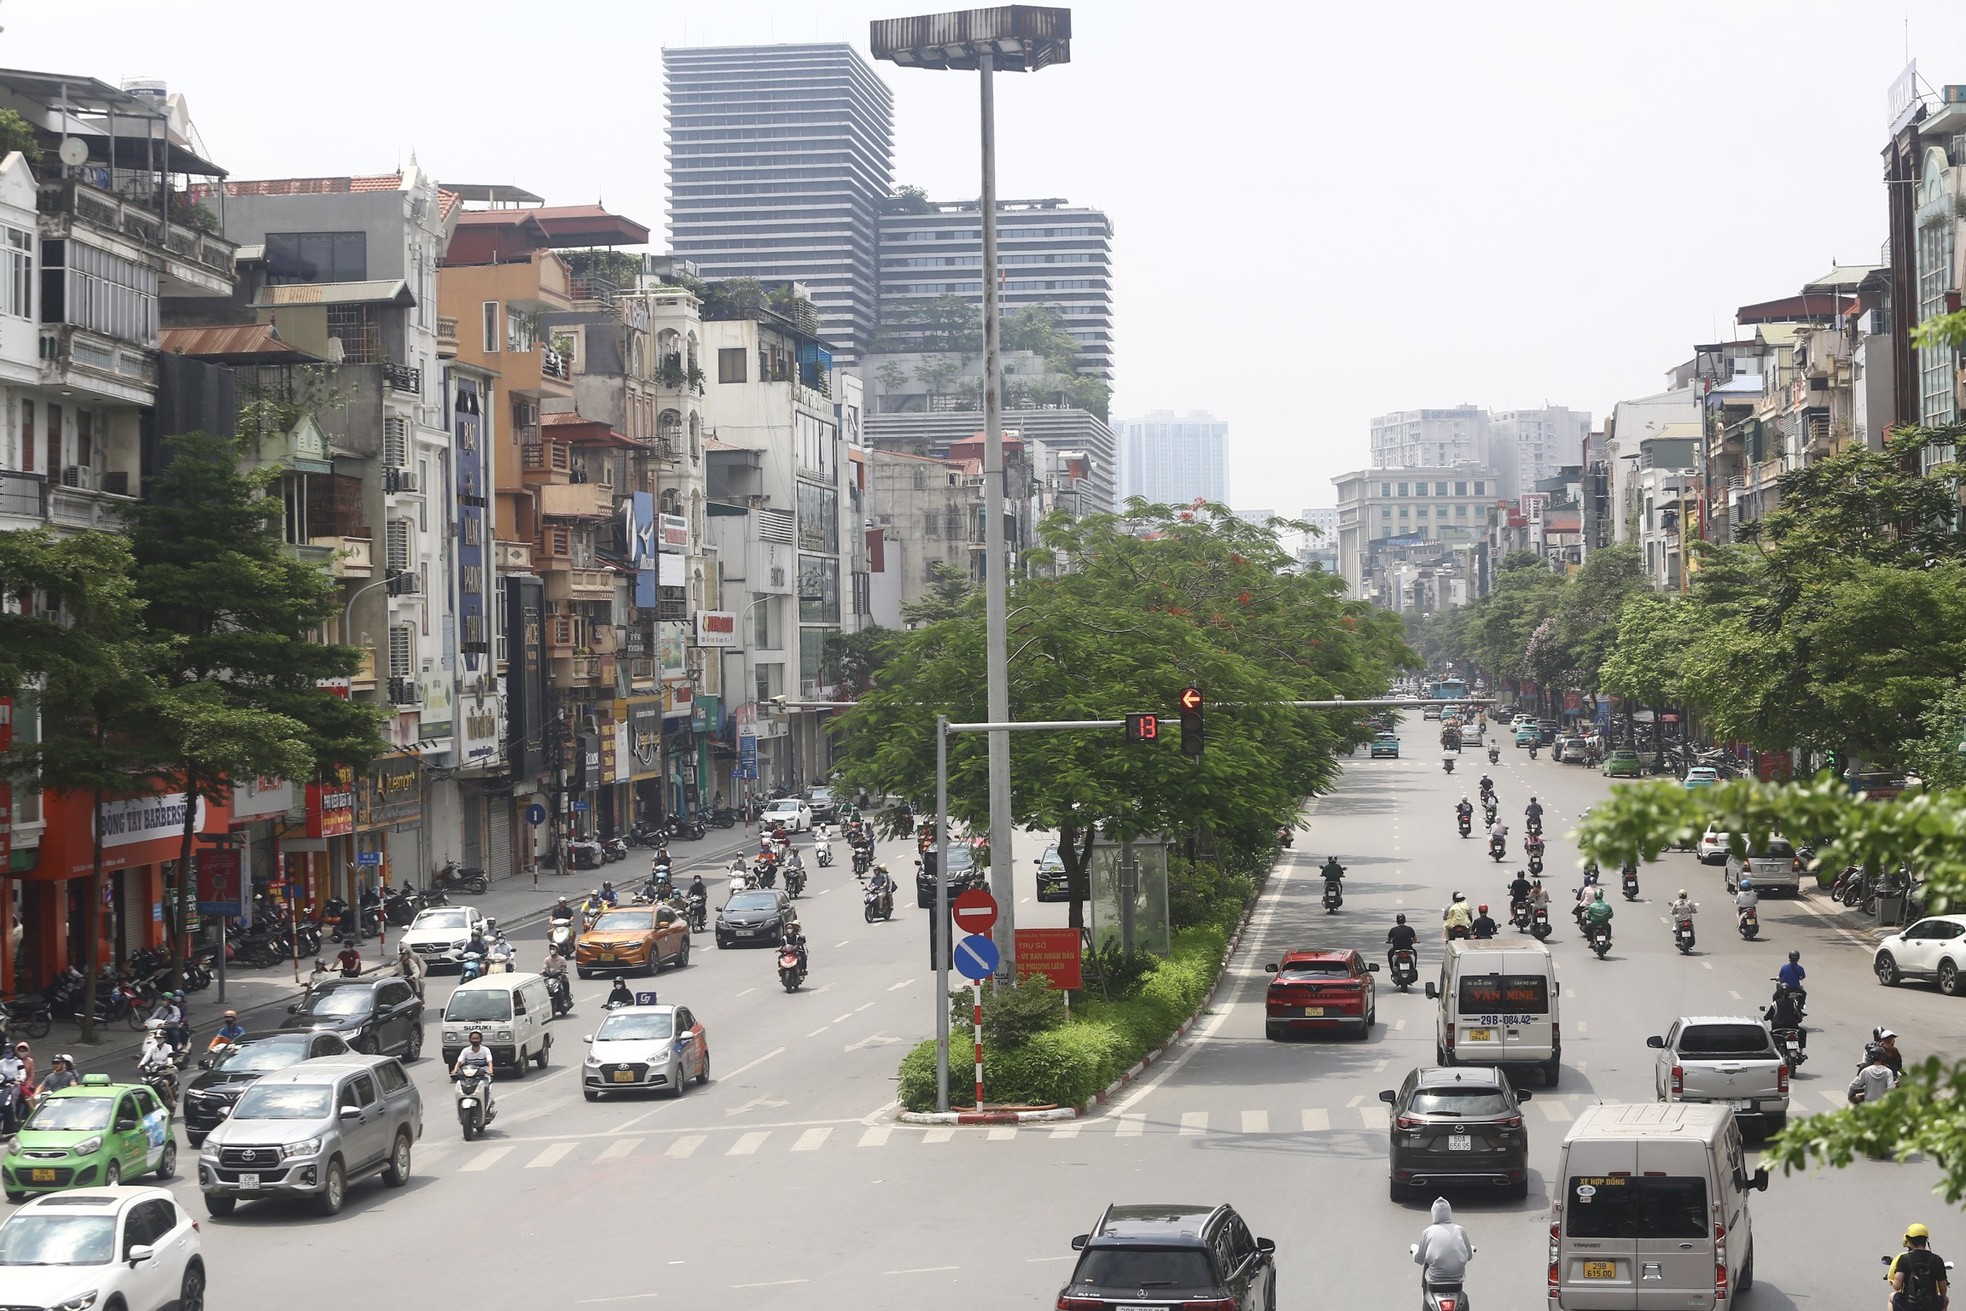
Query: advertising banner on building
[(610, 760), (640, 511), (473, 610), (435, 716), (674, 533), (644, 737), (389, 792), (331, 806), (525, 677), (677, 694), (260, 798), (146, 819), (716, 629), (672, 648)]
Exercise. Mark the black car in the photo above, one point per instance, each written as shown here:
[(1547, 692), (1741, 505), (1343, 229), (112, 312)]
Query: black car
[(1053, 883), (380, 1017), (825, 806), (225, 1074), (1457, 1124), (1162, 1258), (964, 873), (760, 915)]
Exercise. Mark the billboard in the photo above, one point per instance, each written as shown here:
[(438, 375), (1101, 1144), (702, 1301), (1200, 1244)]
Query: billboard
[(716, 628), (638, 527)]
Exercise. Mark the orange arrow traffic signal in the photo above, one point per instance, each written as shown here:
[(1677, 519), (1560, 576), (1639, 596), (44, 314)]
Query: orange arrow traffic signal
[(1191, 698), (1191, 722)]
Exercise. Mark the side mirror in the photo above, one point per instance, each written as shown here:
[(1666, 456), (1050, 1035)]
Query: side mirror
[(351, 1112), (1078, 1243), (1656, 1042), (1760, 1180), (294, 1009), (206, 1063), (138, 1254), (1388, 1096), (1270, 968), (1266, 1246), (1372, 966), (587, 1037), (1433, 993), (1522, 1095), (125, 1125)]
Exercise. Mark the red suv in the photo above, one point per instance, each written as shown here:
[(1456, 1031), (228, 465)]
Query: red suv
[(1320, 989)]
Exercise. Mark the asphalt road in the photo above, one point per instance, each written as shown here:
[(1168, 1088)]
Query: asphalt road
[(786, 1183)]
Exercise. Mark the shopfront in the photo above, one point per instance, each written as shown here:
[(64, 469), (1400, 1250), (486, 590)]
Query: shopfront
[(325, 843), (262, 811), (678, 746), (643, 726), (389, 822)]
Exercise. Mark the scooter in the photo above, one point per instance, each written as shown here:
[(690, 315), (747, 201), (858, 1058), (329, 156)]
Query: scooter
[(1629, 884), (795, 881), (464, 879), (1536, 862), (1333, 896), (1533, 826), (1466, 824), (877, 905), (1498, 849), (560, 993), (1682, 936), (1494, 754), (1519, 916), (1448, 1296), (560, 938), (699, 911), (824, 853), (1539, 926), (1488, 813), (1748, 924), (469, 966), (1790, 1043), (1600, 939), (790, 972), (1532, 750), (1447, 764), (1406, 968), (472, 1117), (613, 849)]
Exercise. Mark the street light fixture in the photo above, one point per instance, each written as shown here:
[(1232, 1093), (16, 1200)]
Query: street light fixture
[(1016, 39)]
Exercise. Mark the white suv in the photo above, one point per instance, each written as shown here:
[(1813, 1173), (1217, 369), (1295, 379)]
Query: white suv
[(102, 1247), (1712, 846), (1933, 948)]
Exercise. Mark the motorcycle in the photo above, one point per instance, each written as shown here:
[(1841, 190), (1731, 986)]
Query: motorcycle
[(559, 937), (1494, 754), (12, 1109), (791, 970), (1532, 750), (863, 860), (724, 817), (824, 853), (1488, 813), (1539, 927), (1536, 862), (160, 1076), (1447, 764), (1333, 896), (1628, 884), (766, 873), (472, 1116), (1748, 924), (699, 912), (1533, 826), (1465, 822), (1446, 1296), (1283, 836), (877, 905), (560, 993), (585, 853), (1600, 935), (1682, 936), (795, 882), (1519, 916), (613, 849), (1406, 968), (1789, 1040), (400, 905), (1498, 849), (30, 1015), (453, 875), (469, 966)]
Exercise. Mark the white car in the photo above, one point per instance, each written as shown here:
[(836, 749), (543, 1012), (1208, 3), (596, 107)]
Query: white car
[(102, 1247), (1933, 948), (638, 1048), (1712, 847), (793, 813), (441, 934)]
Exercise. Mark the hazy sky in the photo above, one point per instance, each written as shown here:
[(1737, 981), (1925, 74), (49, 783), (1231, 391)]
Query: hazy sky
[(1323, 211)]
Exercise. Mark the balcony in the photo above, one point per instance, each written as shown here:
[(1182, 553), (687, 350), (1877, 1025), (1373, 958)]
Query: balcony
[(85, 499), (570, 585), (513, 557), (321, 557), (403, 378), (23, 496), (539, 461), (189, 261), (562, 635), (536, 373), (554, 365), (354, 557), (576, 671), (98, 366), (576, 500), (446, 338)]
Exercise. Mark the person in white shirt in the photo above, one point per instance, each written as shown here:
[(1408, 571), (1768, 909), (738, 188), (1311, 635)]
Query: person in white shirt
[(477, 1059), (1745, 900)]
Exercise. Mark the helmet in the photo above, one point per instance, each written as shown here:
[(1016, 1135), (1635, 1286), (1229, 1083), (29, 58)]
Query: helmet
[(233, 1015), (1794, 957), (1747, 884), (881, 868), (1400, 918), (1600, 894), (155, 1026), (1533, 801), (1873, 1053), (65, 1058), (1460, 896), (1682, 894), (1916, 1231), (1483, 908)]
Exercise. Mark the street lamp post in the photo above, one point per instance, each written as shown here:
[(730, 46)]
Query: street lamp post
[(1016, 39)]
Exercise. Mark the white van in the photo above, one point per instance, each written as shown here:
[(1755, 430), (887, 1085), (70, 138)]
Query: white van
[(1651, 1210), (1498, 1006), (511, 1010)]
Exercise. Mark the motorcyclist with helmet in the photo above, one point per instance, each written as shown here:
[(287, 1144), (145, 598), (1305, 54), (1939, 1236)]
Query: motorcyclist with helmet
[(1745, 900), (1597, 913), (1401, 937), (1519, 890), (1682, 911), (1534, 813), (1483, 926), (1792, 975), (1457, 920), (1917, 1275), (476, 1058), (1785, 1012)]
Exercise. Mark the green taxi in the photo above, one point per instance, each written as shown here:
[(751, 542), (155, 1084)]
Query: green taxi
[(1623, 763), (95, 1133), (1385, 745)]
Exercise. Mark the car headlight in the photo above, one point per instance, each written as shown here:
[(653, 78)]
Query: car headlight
[(503, 1035), (593, 1061), (87, 1147), (80, 1302), (305, 1147), (13, 1147)]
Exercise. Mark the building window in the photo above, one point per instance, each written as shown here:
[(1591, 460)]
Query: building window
[(99, 291), (1385, 512), (317, 257), (491, 327), (731, 364), (1419, 489), (1385, 489), (1481, 489), (402, 648), (1403, 511), (1460, 489), (1460, 512), (1402, 489), (1440, 489), (396, 546), (17, 280)]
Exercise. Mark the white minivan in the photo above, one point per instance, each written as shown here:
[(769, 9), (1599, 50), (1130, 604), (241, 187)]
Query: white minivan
[(1651, 1210), (511, 1010), (1498, 1006)]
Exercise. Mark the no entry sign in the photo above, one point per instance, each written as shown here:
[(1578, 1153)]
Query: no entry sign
[(974, 911)]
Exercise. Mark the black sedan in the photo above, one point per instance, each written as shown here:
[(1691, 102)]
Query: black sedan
[(757, 916), (1457, 1124), (378, 1016), (964, 873), (226, 1073)]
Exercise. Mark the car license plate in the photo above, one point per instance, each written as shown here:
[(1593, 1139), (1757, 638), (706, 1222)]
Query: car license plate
[(624, 1076), (1460, 1142), (249, 1181), (1313, 1012), (42, 1176), (1741, 1104), (1600, 1269), (1481, 1035), (607, 955)]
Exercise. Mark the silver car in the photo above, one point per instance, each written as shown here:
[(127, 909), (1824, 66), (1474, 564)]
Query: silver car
[(644, 1048)]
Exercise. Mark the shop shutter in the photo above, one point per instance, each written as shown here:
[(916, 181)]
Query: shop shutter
[(499, 857)]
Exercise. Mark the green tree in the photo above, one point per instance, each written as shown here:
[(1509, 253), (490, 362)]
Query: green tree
[(16, 133), (1038, 328), (858, 656), (239, 692), (72, 645), (931, 324), (907, 200), (1656, 638), (948, 595), (1501, 623)]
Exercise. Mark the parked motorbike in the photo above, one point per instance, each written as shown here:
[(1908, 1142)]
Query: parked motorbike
[(1600, 936), (401, 904), (472, 1116), (724, 817), (1682, 936), (613, 849), (791, 971), (451, 875), (1406, 968), (877, 905), (585, 853), (1748, 924), (29, 1015)]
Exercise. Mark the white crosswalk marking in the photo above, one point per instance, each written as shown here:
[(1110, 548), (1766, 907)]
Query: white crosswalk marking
[(939, 1135), (550, 1157), (812, 1140), (1066, 1130), (748, 1144), (1129, 1126), (1553, 1110), (619, 1148), (1375, 1117), (875, 1136), (1002, 1133), (1194, 1122), (1255, 1121), (1316, 1120), (682, 1147), (486, 1159)]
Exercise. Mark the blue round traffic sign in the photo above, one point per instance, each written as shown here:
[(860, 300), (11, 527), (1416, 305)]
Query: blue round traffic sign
[(977, 957), (535, 814)]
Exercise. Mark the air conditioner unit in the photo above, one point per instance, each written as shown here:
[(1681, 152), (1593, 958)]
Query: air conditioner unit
[(406, 480), (77, 475), (405, 583), (405, 691), (116, 484)]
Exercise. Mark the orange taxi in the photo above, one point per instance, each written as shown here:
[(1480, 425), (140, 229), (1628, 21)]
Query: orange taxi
[(641, 938)]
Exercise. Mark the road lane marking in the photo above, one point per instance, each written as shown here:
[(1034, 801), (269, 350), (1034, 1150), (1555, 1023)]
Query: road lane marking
[(748, 1144), (1553, 1111), (773, 1283), (923, 1270), (1194, 1122), (1316, 1120), (1129, 1126), (748, 991), (684, 1146), (1735, 995), (1375, 1117), (845, 1015), (1399, 1026), (776, 1051), (875, 1136), (550, 1157), (1002, 1133), (1066, 1130), (1583, 1027), (486, 1159), (812, 1140), (1255, 1121), (619, 1148), (896, 987), (860, 1008), (821, 1029), (941, 1135), (1706, 964), (625, 1297)]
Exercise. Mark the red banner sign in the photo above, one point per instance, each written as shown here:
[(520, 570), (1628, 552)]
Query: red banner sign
[(1053, 953), (331, 807)]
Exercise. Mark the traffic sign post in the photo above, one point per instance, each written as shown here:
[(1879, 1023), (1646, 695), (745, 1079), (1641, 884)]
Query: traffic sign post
[(977, 958), (975, 911)]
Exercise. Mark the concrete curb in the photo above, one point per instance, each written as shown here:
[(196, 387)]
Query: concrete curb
[(1140, 1067)]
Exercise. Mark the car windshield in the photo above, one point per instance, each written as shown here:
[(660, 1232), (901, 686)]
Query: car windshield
[(1777, 849), (58, 1240), (624, 921), (74, 1114), (1143, 1267), (1750, 1040), (1636, 1206), (1468, 1102), (782, 808), (752, 901), (441, 919), (1338, 967), (822, 794), (284, 1101), (1051, 859), (1705, 775), (626, 1028), (262, 1056), (479, 1004), (337, 1003)]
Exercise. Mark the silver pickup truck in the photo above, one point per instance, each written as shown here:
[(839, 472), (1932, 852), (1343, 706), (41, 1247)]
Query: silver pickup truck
[(1725, 1060)]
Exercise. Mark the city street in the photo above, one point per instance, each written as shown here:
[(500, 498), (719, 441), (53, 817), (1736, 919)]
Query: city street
[(787, 1183)]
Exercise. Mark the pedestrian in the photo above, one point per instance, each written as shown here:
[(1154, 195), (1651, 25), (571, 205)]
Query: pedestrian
[(412, 967), (1893, 1058)]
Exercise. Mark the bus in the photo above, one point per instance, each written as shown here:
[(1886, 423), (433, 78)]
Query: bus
[(1448, 689)]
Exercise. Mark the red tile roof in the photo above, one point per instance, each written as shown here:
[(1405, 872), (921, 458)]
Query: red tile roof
[(231, 341)]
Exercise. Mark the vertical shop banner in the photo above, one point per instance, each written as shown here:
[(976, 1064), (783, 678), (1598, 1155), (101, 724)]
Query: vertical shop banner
[(473, 554), (6, 788), (640, 511)]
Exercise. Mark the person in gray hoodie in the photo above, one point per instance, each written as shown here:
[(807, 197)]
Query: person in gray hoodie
[(1444, 1250)]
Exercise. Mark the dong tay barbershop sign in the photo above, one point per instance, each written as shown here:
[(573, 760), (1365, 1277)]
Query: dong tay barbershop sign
[(144, 819)]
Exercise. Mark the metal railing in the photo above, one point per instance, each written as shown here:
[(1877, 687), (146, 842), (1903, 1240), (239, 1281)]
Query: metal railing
[(552, 364), (403, 378)]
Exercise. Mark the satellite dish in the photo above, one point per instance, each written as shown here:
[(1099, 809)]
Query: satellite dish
[(74, 152)]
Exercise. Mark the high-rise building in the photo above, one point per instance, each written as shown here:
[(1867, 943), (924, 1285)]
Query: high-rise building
[(1171, 460), (779, 159), (1051, 254), (1529, 446), (1410, 439)]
